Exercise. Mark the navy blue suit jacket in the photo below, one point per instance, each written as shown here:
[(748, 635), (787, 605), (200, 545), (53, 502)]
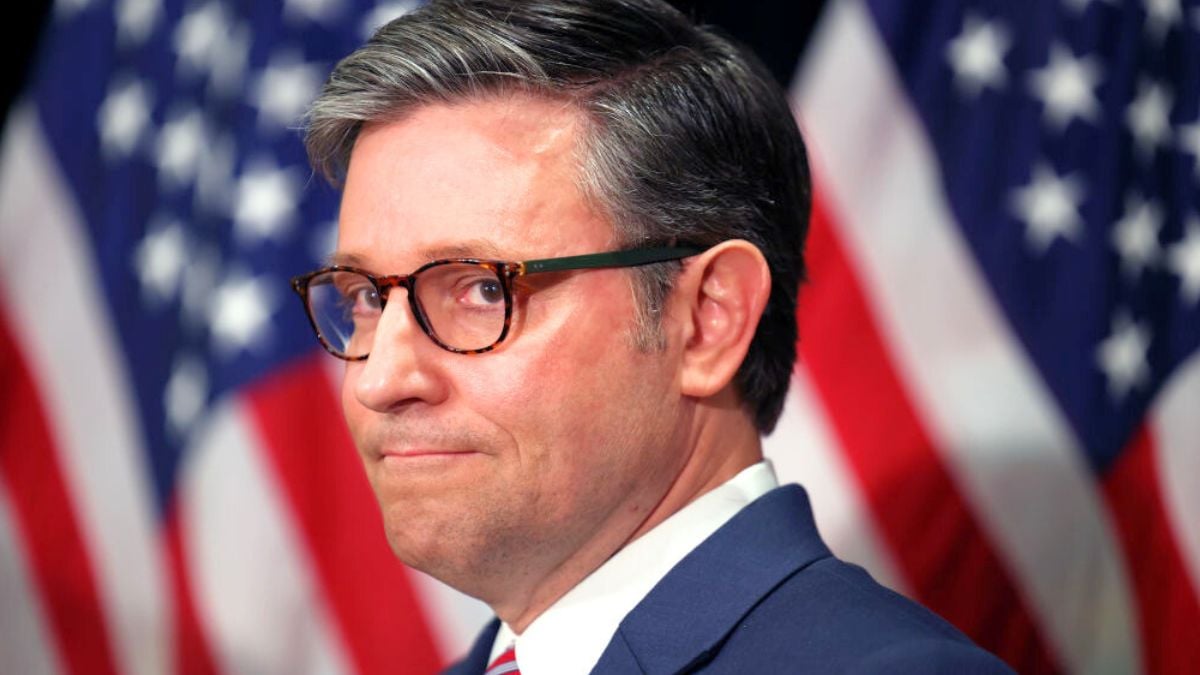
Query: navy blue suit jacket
[(764, 595)]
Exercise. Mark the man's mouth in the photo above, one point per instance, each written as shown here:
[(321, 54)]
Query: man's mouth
[(414, 453)]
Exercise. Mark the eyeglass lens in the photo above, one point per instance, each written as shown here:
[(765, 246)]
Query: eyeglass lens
[(463, 306)]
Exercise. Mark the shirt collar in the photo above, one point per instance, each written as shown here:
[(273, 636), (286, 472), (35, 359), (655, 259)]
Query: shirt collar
[(571, 634)]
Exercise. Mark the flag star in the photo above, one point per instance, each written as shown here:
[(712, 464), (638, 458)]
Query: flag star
[(227, 65), (197, 286), (160, 259), (199, 35), (265, 201), (1148, 117), (180, 145), (324, 240), (123, 117), (312, 10), (1135, 235), (136, 19), (284, 90), (1066, 87), (214, 179), (66, 9), (1184, 260), (186, 394), (977, 55), (1161, 15), (1189, 142), (1122, 356), (384, 12), (1081, 6), (240, 315), (1049, 206)]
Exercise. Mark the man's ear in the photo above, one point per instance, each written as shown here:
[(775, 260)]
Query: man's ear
[(726, 290)]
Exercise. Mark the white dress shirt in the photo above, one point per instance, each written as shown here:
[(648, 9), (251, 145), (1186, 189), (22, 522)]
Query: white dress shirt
[(569, 637)]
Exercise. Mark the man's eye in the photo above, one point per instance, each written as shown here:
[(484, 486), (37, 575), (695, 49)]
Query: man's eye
[(361, 298), (483, 292)]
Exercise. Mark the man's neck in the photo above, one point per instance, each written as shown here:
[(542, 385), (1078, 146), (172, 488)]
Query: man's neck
[(570, 635), (723, 442)]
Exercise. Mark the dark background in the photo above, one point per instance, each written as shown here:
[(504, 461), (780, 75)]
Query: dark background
[(776, 29)]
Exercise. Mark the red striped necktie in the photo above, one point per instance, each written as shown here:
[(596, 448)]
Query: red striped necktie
[(504, 664)]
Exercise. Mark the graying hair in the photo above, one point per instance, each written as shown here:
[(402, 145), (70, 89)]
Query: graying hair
[(688, 138)]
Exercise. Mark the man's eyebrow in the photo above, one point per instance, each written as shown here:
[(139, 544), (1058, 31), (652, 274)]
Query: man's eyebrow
[(345, 259), (473, 248)]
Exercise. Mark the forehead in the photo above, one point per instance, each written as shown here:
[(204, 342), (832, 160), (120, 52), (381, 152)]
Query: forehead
[(498, 173)]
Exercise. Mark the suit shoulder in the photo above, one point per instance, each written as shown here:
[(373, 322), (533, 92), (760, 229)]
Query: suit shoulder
[(831, 616)]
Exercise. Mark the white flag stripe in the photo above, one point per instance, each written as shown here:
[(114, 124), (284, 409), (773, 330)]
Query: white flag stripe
[(1176, 424), (26, 644), (804, 451), (255, 592), (1012, 455), (58, 316), (454, 619)]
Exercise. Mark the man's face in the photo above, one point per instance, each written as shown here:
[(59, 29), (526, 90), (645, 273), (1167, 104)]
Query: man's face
[(504, 466)]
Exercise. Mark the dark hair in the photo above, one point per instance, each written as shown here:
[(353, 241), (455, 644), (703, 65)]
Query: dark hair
[(688, 137)]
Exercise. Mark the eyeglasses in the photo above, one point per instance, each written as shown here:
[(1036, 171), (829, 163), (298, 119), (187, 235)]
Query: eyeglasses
[(464, 305)]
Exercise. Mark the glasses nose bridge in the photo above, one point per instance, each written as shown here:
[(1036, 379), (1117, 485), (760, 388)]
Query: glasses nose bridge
[(385, 284)]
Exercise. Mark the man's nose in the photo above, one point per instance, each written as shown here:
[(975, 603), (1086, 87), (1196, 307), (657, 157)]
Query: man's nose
[(401, 368)]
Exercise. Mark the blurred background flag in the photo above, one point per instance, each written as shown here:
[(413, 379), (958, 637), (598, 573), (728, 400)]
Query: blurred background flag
[(999, 346), (176, 488), (997, 409)]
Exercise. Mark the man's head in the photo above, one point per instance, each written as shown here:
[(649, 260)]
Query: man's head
[(685, 136), (521, 130)]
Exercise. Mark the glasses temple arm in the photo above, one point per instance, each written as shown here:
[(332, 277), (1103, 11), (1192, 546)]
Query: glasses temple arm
[(630, 258)]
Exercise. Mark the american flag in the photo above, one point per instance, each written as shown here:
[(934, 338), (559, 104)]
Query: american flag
[(177, 491), (997, 408), (999, 376)]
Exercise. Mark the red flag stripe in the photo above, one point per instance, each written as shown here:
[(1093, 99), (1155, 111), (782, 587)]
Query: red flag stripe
[(948, 559), (27, 643), (46, 519), (1167, 600), (192, 653), (369, 590)]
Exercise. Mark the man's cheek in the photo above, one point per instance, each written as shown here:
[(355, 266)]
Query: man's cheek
[(350, 404)]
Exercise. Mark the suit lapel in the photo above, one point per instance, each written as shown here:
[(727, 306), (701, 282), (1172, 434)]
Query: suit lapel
[(476, 661), (687, 616)]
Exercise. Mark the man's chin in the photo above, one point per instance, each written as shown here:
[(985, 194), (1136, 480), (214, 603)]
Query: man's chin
[(433, 551)]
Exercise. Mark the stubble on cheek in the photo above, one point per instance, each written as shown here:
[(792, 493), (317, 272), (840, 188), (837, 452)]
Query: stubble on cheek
[(446, 518), (474, 539)]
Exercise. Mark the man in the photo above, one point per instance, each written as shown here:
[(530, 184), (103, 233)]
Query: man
[(565, 282)]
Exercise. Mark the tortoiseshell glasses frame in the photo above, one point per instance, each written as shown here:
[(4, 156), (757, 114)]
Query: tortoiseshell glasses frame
[(333, 297)]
